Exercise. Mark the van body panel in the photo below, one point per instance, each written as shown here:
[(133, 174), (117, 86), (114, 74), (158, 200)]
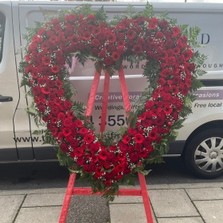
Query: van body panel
[(8, 80)]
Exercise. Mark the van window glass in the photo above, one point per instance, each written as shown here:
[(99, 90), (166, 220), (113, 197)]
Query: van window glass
[(2, 31)]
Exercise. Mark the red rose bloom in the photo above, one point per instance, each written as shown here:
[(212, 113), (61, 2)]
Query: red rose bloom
[(137, 48), (126, 139), (139, 138), (78, 123), (88, 138), (131, 34), (83, 131), (66, 132), (55, 69)]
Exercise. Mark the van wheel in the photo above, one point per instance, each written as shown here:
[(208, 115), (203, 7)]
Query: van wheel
[(204, 153)]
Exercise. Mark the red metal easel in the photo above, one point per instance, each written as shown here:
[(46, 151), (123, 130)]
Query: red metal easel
[(71, 190)]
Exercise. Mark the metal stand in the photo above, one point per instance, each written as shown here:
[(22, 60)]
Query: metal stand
[(71, 190)]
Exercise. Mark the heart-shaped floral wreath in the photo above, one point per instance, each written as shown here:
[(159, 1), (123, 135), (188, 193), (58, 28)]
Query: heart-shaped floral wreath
[(171, 69)]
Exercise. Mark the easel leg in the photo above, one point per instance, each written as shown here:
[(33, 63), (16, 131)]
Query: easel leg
[(145, 198), (67, 198)]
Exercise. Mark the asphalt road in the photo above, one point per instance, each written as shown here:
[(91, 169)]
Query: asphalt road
[(47, 175)]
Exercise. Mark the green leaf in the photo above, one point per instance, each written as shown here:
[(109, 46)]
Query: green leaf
[(148, 11), (84, 9), (101, 14)]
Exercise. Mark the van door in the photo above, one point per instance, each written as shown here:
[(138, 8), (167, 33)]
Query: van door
[(14, 122)]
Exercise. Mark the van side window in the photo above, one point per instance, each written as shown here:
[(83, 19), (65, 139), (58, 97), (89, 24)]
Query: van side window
[(2, 31)]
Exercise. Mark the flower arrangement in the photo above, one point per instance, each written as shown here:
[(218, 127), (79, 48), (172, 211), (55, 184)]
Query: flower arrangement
[(172, 66)]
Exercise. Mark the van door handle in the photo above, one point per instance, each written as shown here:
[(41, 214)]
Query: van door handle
[(5, 98)]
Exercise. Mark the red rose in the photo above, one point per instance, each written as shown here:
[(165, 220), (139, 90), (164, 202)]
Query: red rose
[(66, 132), (149, 104), (61, 116), (88, 138), (132, 131), (67, 122), (91, 17), (111, 37), (131, 34), (37, 39), (54, 40), (73, 142), (78, 152), (55, 69), (98, 173), (126, 139), (70, 18), (175, 31), (32, 46), (96, 30), (115, 56), (95, 42), (153, 22), (94, 147), (86, 35), (108, 61), (137, 48), (78, 123), (188, 54), (139, 138), (83, 131), (67, 104), (159, 35), (163, 24), (64, 147), (102, 155), (36, 91)]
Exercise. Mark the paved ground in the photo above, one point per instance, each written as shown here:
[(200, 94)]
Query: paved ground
[(86, 209), (170, 203), (31, 193)]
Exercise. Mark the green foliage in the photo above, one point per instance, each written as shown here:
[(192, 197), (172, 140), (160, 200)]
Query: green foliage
[(151, 70), (78, 108), (84, 9), (130, 11), (64, 160), (82, 57), (148, 11), (101, 14)]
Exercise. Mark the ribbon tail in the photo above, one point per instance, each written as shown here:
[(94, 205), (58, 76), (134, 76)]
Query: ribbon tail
[(105, 102), (92, 94), (124, 90)]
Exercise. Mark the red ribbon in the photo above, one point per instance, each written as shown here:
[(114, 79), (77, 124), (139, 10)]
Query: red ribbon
[(124, 89), (93, 91), (105, 102)]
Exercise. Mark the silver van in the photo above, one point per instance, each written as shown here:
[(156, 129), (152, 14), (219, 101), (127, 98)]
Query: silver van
[(199, 141)]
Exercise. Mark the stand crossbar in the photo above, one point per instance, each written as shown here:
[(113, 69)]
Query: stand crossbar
[(71, 190)]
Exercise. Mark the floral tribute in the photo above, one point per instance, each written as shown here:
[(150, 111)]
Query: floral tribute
[(171, 68)]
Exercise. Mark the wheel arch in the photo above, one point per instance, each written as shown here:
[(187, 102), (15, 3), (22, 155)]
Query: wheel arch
[(211, 124)]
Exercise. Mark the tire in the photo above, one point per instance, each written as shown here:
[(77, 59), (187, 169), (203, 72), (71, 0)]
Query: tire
[(203, 154)]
